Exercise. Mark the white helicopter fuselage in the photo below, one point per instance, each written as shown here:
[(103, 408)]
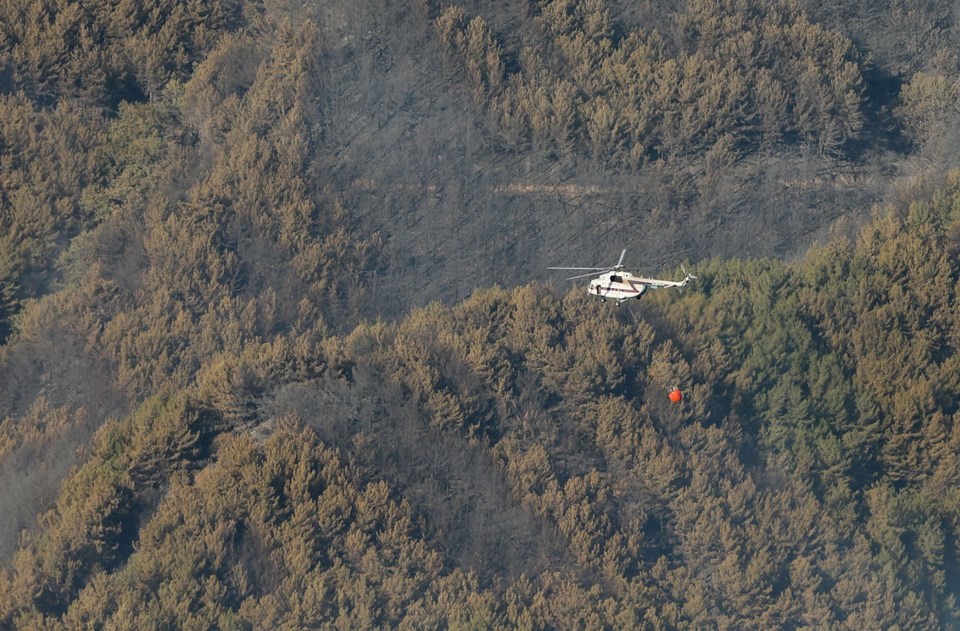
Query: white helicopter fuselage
[(622, 286), (616, 284)]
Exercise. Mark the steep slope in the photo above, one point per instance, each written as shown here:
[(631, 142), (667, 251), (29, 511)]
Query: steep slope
[(201, 205), (514, 460)]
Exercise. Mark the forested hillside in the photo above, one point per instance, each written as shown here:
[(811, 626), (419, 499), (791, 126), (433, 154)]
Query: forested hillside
[(277, 346), (514, 461)]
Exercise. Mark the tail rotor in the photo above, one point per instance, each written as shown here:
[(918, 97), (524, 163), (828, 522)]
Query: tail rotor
[(687, 276)]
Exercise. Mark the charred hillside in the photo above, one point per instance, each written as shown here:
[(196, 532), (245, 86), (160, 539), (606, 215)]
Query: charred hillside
[(515, 459), (272, 308)]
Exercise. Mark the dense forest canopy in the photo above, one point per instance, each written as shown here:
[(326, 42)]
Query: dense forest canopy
[(277, 346)]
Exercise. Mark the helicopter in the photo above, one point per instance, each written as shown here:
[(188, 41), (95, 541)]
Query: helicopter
[(619, 285)]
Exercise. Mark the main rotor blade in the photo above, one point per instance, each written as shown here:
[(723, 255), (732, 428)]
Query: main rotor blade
[(582, 268), (620, 262), (589, 274), (654, 260)]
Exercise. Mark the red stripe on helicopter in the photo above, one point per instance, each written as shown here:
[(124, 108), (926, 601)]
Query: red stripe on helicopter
[(632, 287)]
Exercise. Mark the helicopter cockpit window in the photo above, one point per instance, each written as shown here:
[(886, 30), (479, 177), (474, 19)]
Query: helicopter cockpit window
[(616, 279)]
